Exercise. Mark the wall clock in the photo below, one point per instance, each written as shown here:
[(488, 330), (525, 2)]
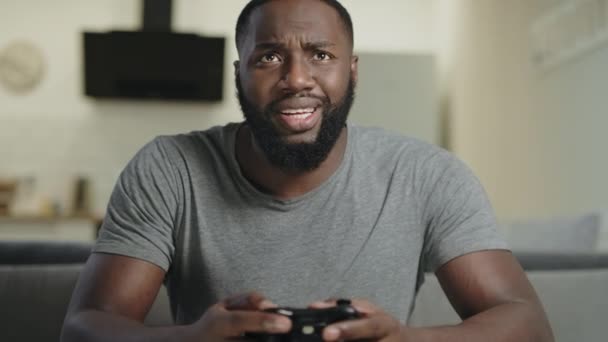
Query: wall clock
[(21, 66)]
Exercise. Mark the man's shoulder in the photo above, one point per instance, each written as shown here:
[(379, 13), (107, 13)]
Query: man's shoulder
[(177, 151), (214, 134), (211, 140), (384, 151)]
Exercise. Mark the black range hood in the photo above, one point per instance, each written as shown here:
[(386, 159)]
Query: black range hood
[(154, 62)]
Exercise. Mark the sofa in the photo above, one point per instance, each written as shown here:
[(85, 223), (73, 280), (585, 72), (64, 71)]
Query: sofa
[(37, 279)]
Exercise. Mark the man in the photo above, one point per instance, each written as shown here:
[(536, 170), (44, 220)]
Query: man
[(295, 207)]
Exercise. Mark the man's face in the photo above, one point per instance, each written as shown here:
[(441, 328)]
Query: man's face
[(295, 80)]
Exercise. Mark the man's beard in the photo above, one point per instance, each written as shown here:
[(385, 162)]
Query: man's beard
[(296, 157)]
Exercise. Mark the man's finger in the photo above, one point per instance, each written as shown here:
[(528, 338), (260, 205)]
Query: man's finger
[(361, 305), (248, 301), (365, 307), (327, 303), (323, 304), (236, 323), (375, 327)]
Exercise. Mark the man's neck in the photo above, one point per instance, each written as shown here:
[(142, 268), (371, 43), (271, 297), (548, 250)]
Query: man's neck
[(279, 183)]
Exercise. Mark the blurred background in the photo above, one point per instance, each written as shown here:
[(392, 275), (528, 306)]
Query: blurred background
[(517, 89)]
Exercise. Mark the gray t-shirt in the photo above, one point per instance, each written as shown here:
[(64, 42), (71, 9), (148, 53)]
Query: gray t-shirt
[(395, 207)]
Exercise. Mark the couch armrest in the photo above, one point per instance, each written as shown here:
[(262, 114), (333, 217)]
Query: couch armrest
[(532, 261), (43, 252)]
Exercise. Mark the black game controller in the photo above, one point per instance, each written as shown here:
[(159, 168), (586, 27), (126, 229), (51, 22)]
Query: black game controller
[(308, 324)]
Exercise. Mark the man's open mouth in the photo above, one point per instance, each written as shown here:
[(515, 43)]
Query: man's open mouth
[(299, 119)]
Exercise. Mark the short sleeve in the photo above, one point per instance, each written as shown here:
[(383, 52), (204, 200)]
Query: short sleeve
[(458, 216), (141, 213)]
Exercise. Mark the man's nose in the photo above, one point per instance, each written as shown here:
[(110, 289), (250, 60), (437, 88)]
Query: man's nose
[(297, 76)]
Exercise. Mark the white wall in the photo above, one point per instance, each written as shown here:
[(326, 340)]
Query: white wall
[(55, 133), (536, 139)]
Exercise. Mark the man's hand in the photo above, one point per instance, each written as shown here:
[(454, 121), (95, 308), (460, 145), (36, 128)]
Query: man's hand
[(235, 316), (375, 325)]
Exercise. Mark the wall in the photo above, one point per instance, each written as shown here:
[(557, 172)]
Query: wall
[(55, 133), (401, 95), (535, 138)]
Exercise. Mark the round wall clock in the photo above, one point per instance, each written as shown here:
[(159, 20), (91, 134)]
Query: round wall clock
[(21, 66)]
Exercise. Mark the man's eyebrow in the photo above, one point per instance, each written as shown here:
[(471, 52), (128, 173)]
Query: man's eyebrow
[(307, 46), (318, 45)]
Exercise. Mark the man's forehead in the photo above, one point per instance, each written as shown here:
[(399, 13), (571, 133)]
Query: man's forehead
[(312, 20)]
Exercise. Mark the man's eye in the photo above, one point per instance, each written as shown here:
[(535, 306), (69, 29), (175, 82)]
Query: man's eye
[(269, 58), (322, 56)]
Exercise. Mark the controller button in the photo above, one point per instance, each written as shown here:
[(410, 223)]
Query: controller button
[(308, 330), (285, 312)]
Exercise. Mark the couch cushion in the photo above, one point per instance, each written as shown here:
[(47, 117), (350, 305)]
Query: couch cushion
[(570, 234), (34, 300), (574, 300)]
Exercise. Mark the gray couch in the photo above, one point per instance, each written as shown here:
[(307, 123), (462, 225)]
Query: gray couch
[(37, 279)]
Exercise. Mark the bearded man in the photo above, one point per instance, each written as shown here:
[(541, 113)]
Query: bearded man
[(294, 207)]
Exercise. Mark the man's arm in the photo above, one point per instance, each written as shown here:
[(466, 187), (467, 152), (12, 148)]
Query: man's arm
[(488, 289), (114, 294)]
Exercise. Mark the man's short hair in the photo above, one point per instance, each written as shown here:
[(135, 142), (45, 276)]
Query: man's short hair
[(243, 21)]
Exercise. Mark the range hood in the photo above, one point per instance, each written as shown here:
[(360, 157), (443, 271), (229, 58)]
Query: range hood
[(154, 62)]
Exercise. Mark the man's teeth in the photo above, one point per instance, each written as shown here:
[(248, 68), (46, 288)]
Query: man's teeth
[(303, 111), (300, 116)]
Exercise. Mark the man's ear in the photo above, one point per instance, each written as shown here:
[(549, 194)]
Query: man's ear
[(236, 64), (354, 68)]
